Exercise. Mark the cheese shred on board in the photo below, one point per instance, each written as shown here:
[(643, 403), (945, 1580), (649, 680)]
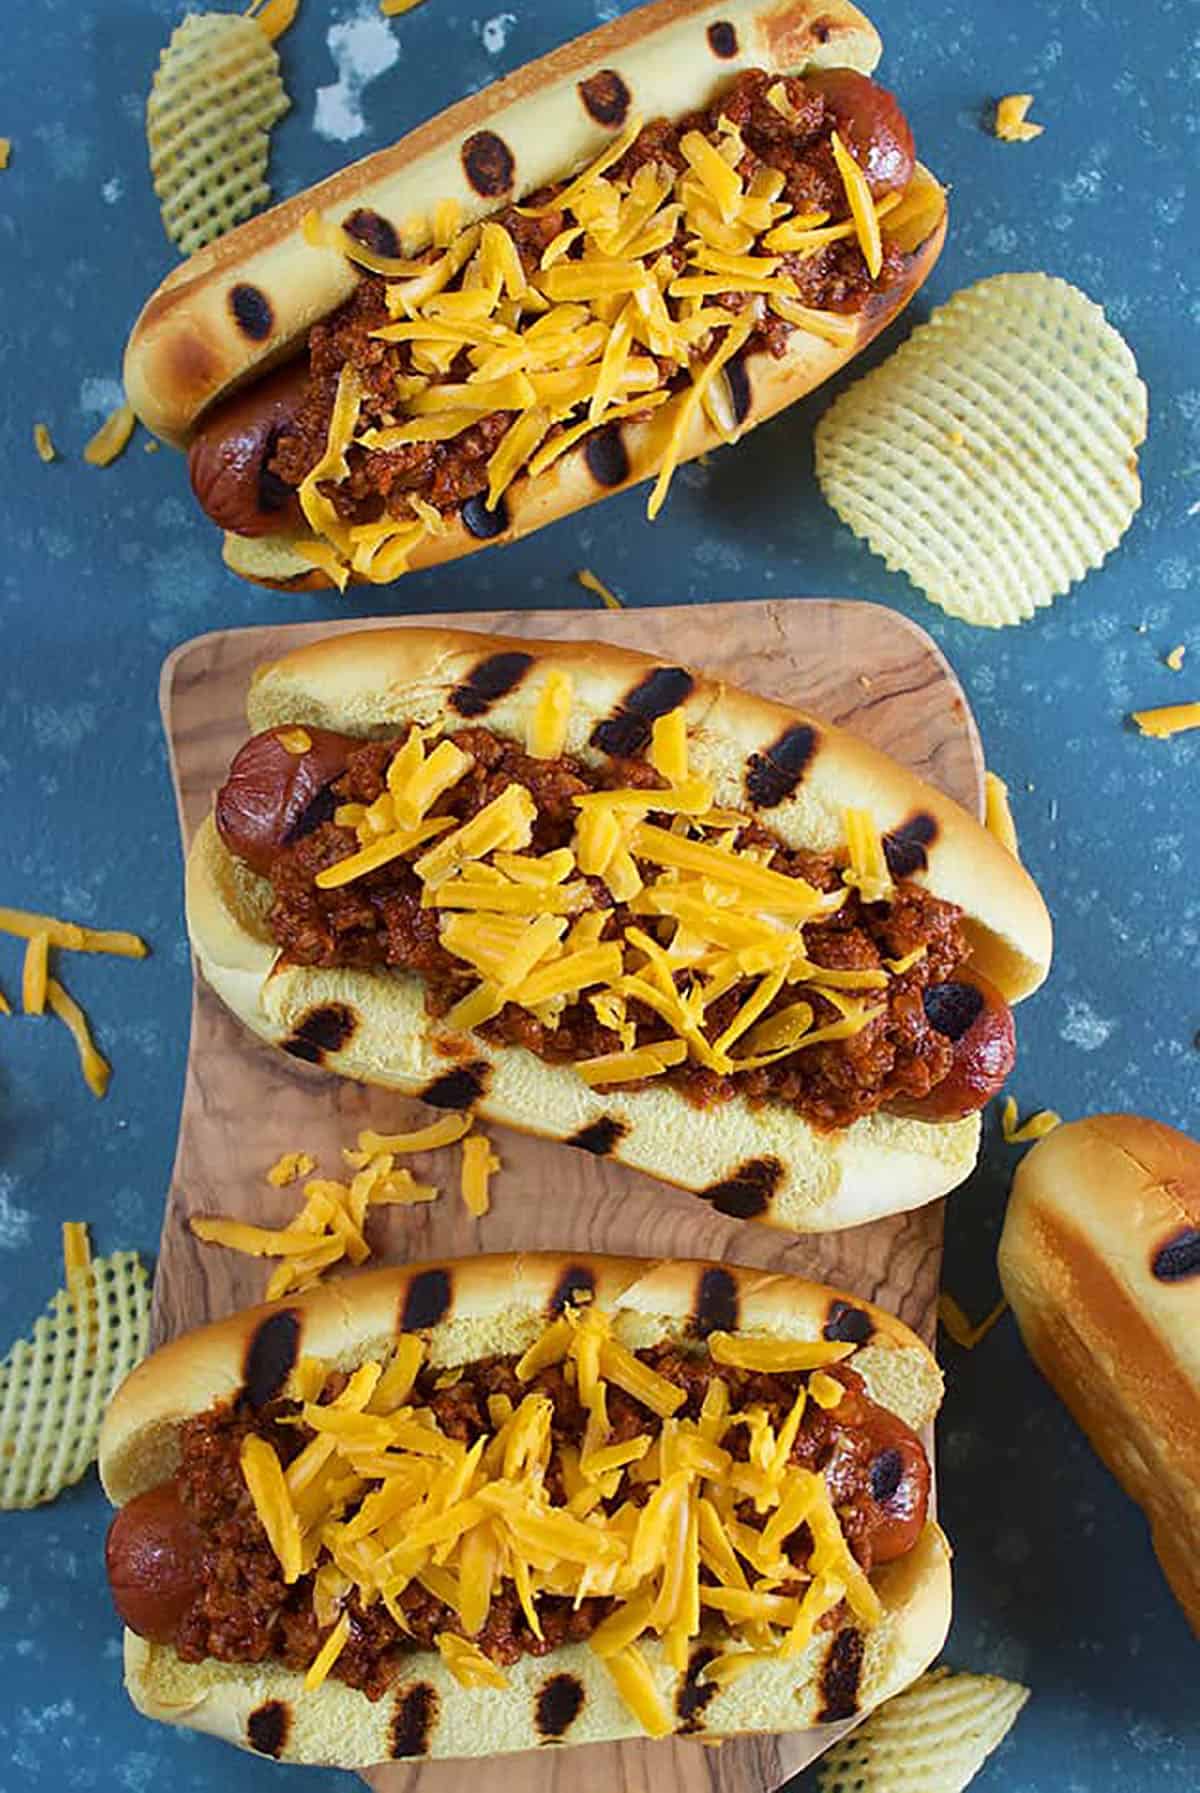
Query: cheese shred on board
[(675, 1527), (611, 324)]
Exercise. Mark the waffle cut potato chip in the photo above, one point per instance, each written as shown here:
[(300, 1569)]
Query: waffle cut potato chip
[(993, 457), (932, 1738), (216, 93), (55, 1385)]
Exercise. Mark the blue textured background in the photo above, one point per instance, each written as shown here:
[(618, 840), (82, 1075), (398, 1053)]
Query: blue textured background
[(103, 572)]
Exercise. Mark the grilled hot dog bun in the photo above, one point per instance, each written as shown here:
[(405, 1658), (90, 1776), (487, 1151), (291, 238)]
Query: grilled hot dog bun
[(245, 304), (763, 1162), (1100, 1260), (468, 1310)]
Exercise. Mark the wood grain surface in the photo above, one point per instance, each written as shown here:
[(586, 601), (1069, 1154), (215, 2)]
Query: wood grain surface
[(867, 668)]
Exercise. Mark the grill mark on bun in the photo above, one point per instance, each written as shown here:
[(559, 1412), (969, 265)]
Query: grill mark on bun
[(484, 524), (251, 311), (847, 1324), (267, 1728), (271, 1356), (600, 1137), (413, 1721), (373, 230), (627, 731), (488, 682), (951, 1009), (488, 164), (460, 1088), (559, 1703), (1179, 1257), (775, 774), (716, 1303), (427, 1300), (906, 848), (840, 1677), (576, 1280), (747, 1192), (722, 39), (606, 457), (605, 97), (693, 1696), (322, 1030)]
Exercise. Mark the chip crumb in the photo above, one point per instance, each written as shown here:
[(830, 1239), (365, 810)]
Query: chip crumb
[(56, 1384), (151, 447), (289, 1168), (1036, 1127), (1171, 719), (955, 1322), (591, 583), (1011, 124), (1174, 659), (112, 438), (864, 680), (44, 443), (932, 1738)]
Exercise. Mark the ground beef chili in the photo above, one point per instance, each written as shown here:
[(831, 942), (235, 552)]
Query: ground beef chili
[(874, 1466), (377, 920), (795, 141)]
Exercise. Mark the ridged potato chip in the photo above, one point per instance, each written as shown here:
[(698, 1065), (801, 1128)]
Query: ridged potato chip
[(55, 1386), (932, 1738), (216, 93), (993, 457)]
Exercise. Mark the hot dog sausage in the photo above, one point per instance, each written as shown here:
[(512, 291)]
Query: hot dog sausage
[(892, 1510), (227, 461), (277, 789), (972, 1014), (154, 1555), (870, 124)]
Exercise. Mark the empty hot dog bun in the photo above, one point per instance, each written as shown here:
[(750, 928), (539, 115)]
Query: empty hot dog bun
[(788, 771), (1100, 1259), (245, 304), (499, 1306)]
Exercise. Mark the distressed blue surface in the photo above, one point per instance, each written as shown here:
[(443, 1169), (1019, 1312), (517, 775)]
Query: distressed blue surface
[(103, 572)]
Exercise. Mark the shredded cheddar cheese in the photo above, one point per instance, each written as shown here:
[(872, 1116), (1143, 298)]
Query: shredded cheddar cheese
[(77, 1262), (5, 151), (289, 1168), (479, 1162), (380, 1499), (1036, 1127), (112, 438), (43, 442), (1171, 719), (960, 1329), (34, 975), (591, 583), (5, 1004), (70, 935), (275, 17), (1011, 123), (597, 332), (95, 1067), (392, 9), (1174, 659)]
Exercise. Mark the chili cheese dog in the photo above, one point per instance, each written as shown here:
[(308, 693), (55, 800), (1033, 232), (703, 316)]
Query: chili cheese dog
[(611, 261), (1100, 1259), (619, 904), (459, 1509)]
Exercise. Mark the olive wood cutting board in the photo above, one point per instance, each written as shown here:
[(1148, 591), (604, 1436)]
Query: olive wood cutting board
[(244, 1104)]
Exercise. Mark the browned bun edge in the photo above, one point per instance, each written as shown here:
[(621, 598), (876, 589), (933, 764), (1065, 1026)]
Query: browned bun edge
[(470, 1308), (770, 384), (242, 304), (1100, 1259)]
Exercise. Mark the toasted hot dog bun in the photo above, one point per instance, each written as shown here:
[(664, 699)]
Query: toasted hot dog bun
[(1100, 1259), (473, 1308), (246, 302), (764, 1163)]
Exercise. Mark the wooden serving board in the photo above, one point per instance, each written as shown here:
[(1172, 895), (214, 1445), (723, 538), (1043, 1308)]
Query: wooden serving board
[(244, 1103)]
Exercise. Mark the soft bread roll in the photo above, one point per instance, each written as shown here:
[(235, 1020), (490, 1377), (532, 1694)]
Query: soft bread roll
[(470, 1309), (246, 302), (1100, 1259), (764, 1163)]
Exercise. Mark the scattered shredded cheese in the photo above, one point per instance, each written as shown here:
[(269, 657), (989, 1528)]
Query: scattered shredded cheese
[(70, 935), (1171, 719), (1036, 1127), (112, 438), (960, 1329), (275, 17), (392, 9), (1174, 659), (1011, 124), (5, 151), (77, 1262), (590, 582), (5, 1004), (290, 1168), (479, 1163), (998, 816), (44, 443), (95, 1067), (35, 974)]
